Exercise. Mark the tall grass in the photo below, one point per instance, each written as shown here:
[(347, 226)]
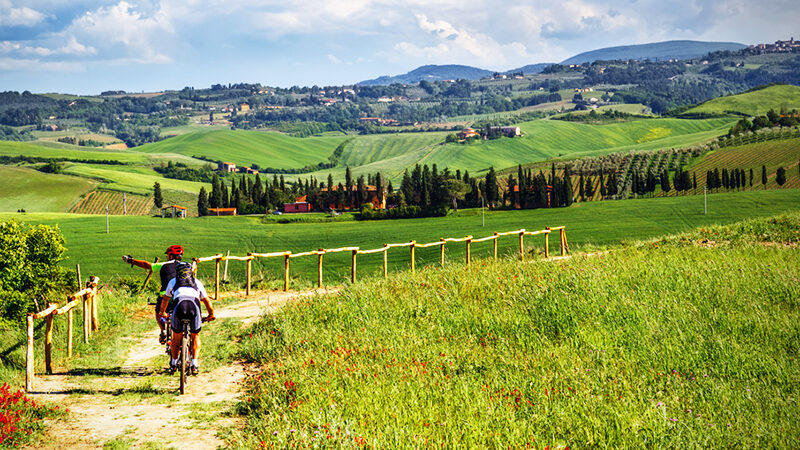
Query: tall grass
[(664, 344)]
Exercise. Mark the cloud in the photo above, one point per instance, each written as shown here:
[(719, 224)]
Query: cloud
[(448, 43), (122, 33), (72, 47), (334, 59), (24, 16), (36, 65)]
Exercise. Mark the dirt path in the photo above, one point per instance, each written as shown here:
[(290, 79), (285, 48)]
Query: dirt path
[(136, 405)]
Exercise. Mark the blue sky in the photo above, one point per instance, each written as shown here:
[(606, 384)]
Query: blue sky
[(87, 46)]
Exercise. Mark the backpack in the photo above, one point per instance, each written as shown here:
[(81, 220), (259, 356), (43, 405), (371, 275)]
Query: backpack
[(184, 277), (167, 273)]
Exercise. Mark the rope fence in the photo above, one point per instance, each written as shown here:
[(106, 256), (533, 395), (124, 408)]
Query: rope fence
[(355, 251), (88, 299)]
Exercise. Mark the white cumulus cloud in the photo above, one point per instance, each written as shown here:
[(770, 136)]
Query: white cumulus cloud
[(24, 16)]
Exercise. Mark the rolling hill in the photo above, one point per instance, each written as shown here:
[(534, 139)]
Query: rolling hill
[(245, 148), (655, 50), (754, 102), (431, 73), (34, 191)]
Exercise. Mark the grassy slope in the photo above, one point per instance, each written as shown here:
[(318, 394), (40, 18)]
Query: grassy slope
[(772, 154), (753, 103), (247, 147), (50, 150), (544, 139), (550, 138), (649, 346), (135, 179), (588, 224), (35, 191)]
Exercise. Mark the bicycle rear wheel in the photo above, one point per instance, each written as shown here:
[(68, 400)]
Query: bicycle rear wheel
[(184, 364)]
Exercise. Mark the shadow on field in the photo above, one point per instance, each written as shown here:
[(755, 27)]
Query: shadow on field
[(112, 372)]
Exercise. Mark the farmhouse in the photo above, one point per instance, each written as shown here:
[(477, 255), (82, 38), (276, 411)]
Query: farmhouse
[(221, 211), (244, 107), (508, 131), (467, 133), (227, 167), (297, 207), (245, 169), (173, 211)]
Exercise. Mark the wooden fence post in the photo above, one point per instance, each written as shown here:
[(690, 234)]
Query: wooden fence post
[(48, 341), (216, 279), (78, 270), (385, 261), (563, 249), (411, 247), (69, 333), (566, 245), (93, 299), (353, 267), (468, 242), (319, 267), (225, 275), (494, 246), (547, 243), (249, 272), (521, 245), (286, 273), (29, 372), (441, 252), (86, 319)]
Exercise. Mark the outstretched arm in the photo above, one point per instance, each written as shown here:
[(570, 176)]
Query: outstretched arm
[(137, 262)]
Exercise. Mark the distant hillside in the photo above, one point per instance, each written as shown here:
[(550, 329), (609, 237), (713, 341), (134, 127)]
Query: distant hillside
[(754, 102), (530, 68), (431, 73), (656, 50)]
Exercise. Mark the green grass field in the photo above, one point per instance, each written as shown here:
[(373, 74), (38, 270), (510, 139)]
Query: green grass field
[(245, 148), (772, 154), (59, 150), (135, 179), (674, 344), (544, 139), (753, 103), (588, 225), (34, 191)]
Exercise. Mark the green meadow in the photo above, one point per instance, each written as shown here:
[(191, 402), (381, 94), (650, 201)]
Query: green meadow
[(753, 103), (245, 148), (589, 225), (675, 343), (34, 191)]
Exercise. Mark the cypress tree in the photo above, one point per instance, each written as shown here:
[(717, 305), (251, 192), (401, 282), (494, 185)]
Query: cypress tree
[(567, 198), (780, 176), (379, 186), (389, 187), (491, 187), (511, 183), (580, 186), (257, 191), (694, 181), (589, 189), (158, 200), (725, 180), (202, 202), (764, 175), (751, 177), (426, 187), (216, 194), (602, 185), (283, 184), (225, 203), (665, 187)]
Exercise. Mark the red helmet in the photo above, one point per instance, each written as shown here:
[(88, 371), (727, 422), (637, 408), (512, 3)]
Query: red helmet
[(174, 250)]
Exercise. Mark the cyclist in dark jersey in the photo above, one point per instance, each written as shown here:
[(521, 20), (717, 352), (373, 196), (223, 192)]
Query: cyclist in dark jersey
[(187, 294), (166, 271)]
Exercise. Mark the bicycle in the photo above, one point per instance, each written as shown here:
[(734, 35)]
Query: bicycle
[(184, 365)]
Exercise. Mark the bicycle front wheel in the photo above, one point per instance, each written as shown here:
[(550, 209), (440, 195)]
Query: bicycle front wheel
[(184, 358)]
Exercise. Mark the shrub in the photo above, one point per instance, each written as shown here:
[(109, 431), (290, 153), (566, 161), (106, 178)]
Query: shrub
[(29, 266)]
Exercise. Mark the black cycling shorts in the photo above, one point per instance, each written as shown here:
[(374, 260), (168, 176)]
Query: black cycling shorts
[(187, 308)]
